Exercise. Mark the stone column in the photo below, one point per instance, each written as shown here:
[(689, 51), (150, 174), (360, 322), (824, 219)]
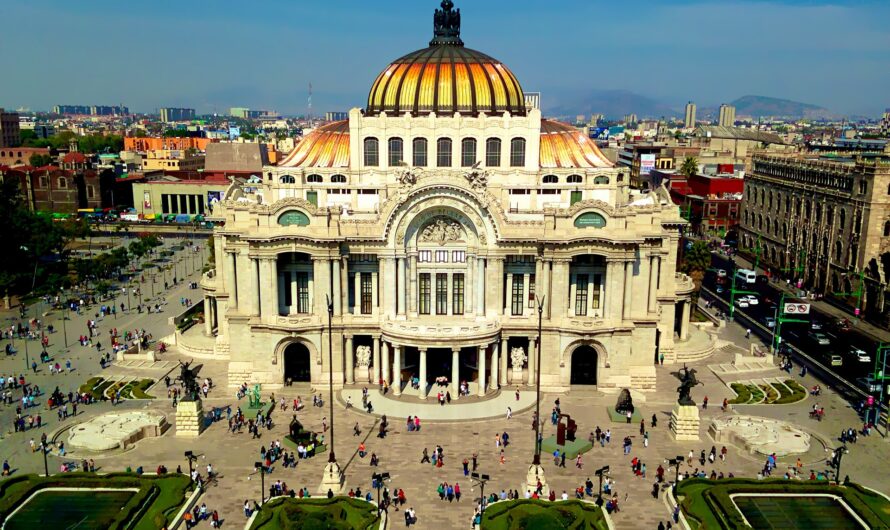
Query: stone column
[(232, 280), (322, 279), (375, 295), (560, 288), (653, 283), (504, 355), (396, 370), (208, 317), (494, 366), (403, 287), (526, 289), (384, 362), (628, 289), (590, 286), (269, 290), (469, 277), (532, 359), (338, 285), (544, 282), (357, 293), (573, 292), (607, 291), (350, 361), (455, 373), (388, 291), (481, 367), (480, 287), (616, 306), (494, 288), (255, 291), (422, 376), (684, 322), (412, 282), (376, 370), (508, 297)]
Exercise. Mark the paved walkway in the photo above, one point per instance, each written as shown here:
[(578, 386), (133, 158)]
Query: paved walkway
[(430, 410)]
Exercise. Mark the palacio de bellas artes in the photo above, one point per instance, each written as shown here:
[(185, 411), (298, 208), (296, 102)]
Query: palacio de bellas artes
[(441, 221)]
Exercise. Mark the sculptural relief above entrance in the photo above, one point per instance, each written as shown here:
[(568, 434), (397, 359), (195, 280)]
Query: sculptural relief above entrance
[(442, 230)]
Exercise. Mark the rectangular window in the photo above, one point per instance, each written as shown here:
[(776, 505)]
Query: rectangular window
[(581, 295), (531, 291), (165, 203), (443, 152), (174, 204), (423, 293), (201, 204), (517, 152), (595, 295), (468, 152), (302, 292), (425, 256), (517, 300), (441, 256), (458, 256), (457, 289), (91, 192), (493, 152), (193, 206), (441, 294), (520, 192), (183, 204), (576, 197), (420, 152), (285, 277), (312, 197), (366, 300), (396, 148)]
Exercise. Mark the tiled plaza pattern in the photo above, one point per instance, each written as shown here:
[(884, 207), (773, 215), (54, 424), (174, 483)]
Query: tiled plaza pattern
[(233, 456)]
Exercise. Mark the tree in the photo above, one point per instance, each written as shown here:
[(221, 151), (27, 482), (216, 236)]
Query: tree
[(38, 160), (689, 167), (696, 261)]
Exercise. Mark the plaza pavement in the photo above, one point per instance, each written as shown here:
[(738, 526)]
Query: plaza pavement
[(233, 455)]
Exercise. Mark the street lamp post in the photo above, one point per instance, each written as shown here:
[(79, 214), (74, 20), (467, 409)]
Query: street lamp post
[(333, 475), (480, 480), (44, 449), (536, 460), (377, 481), (600, 472), (262, 468), (190, 456), (836, 456), (676, 461)]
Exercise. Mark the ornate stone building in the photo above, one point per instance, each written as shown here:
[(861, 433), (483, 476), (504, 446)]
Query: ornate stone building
[(435, 220), (825, 222)]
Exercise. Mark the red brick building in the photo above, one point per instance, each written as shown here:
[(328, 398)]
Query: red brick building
[(711, 203), (60, 189)]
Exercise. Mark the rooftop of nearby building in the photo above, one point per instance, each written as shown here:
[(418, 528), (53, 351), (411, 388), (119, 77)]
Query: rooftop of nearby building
[(738, 133)]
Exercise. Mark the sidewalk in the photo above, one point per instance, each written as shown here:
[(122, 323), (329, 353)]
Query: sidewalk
[(876, 333)]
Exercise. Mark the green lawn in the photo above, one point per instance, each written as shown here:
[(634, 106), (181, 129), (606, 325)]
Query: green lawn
[(707, 504), (338, 513), (153, 506), (70, 509), (543, 515)]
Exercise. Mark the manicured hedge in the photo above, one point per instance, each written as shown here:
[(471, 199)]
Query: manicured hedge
[(707, 503), (337, 513), (743, 395), (538, 514), (153, 506)]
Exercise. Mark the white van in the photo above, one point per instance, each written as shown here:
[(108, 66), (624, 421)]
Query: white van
[(745, 275)]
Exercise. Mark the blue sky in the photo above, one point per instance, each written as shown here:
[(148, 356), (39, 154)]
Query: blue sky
[(215, 54)]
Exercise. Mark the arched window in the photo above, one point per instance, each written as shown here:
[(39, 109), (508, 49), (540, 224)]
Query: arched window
[(63, 182), (551, 179), (785, 230), (770, 203), (824, 245), (760, 222), (493, 152), (396, 151), (443, 152), (287, 179), (575, 179), (863, 186), (372, 152), (746, 216), (857, 223), (775, 228), (838, 251), (602, 179), (314, 179), (842, 218), (620, 177), (517, 152), (420, 146), (338, 179), (467, 152), (887, 229)]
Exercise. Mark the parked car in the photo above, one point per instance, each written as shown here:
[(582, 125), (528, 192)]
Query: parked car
[(836, 360), (859, 355), (752, 300), (819, 338), (741, 302)]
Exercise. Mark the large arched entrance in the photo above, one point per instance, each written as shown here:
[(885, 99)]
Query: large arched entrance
[(296, 363), (584, 360)]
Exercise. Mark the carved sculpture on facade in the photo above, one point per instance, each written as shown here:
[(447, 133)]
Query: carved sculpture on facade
[(363, 356), (442, 230), (517, 357), (477, 178), (408, 177)]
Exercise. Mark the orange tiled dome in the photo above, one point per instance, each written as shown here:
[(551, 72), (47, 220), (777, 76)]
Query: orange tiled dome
[(446, 78)]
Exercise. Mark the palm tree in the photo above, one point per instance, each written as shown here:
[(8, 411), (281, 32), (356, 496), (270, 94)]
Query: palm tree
[(689, 166)]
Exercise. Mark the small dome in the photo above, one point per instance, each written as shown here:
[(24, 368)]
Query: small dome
[(446, 78), (327, 146)]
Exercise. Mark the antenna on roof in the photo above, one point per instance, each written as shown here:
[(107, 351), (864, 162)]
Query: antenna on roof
[(310, 104)]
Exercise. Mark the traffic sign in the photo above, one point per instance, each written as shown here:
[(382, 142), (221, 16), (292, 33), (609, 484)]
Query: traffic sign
[(796, 309)]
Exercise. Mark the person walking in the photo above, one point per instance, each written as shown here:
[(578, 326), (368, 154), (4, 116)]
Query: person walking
[(642, 426)]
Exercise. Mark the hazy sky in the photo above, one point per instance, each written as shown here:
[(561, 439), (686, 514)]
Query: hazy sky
[(215, 54)]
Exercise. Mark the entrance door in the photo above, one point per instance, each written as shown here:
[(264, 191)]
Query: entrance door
[(296, 363), (584, 360)]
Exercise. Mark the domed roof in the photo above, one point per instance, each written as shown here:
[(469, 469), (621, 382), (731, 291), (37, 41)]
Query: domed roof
[(446, 78), (563, 146), (325, 147)]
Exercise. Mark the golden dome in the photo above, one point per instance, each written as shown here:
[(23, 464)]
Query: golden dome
[(563, 146), (446, 78), (327, 146)]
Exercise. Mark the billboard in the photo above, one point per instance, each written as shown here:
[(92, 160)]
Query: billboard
[(796, 309), (647, 164)]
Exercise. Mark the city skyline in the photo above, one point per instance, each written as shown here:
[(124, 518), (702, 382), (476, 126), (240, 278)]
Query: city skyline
[(237, 56)]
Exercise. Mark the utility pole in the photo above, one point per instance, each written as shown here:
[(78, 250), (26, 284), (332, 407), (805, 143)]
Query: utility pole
[(780, 319), (857, 293), (880, 375), (733, 290)]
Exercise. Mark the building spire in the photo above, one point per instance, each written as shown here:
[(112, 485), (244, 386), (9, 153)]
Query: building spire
[(446, 25)]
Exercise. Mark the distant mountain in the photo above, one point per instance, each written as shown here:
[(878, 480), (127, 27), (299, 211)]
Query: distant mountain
[(613, 103), (765, 107)]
